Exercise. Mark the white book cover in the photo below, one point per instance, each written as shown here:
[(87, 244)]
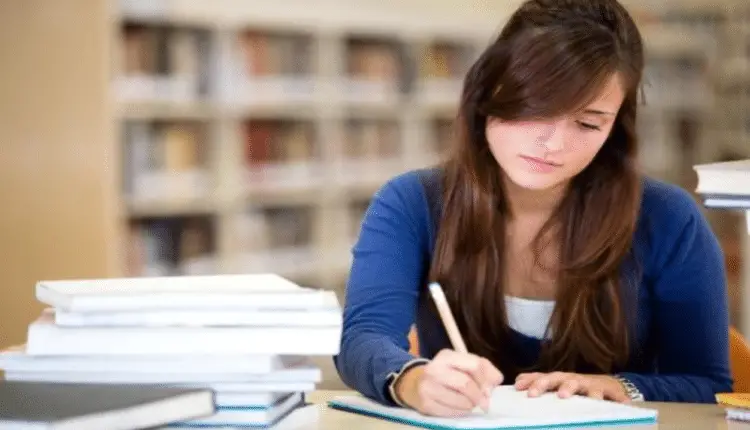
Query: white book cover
[(324, 316), (738, 414), (309, 374), (15, 359), (229, 399), (46, 338), (245, 388), (233, 389), (724, 178), (218, 292), (727, 202)]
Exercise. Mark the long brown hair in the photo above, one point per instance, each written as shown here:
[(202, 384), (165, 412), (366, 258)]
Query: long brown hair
[(551, 58)]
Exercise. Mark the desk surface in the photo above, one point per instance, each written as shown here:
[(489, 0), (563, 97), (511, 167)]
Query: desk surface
[(672, 416)]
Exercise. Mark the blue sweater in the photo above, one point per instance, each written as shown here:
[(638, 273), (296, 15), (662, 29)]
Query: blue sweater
[(680, 346)]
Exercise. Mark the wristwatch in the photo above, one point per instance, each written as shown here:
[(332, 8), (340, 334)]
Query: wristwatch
[(630, 389), (394, 377)]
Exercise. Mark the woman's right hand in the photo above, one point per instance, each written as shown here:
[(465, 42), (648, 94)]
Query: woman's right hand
[(452, 384)]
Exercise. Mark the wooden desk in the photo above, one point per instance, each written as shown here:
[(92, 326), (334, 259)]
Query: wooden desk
[(672, 416)]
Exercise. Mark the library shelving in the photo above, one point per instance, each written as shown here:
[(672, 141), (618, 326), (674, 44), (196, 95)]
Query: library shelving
[(260, 132), (252, 136), (731, 141), (694, 113), (193, 136), (276, 124)]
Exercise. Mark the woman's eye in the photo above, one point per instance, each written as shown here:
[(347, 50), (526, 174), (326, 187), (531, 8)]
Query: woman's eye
[(589, 126)]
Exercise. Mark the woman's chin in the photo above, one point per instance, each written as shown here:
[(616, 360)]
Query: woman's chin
[(537, 182)]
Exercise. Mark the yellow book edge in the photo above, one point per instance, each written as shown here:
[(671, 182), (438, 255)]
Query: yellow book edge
[(734, 400)]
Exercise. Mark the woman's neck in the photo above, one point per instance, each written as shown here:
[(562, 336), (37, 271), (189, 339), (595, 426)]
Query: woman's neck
[(531, 271), (525, 202)]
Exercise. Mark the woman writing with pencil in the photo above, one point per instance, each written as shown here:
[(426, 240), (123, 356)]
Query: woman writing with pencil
[(563, 268)]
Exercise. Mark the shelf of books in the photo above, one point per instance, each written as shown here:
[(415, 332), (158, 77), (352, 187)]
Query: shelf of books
[(700, 114), (253, 135), (731, 142)]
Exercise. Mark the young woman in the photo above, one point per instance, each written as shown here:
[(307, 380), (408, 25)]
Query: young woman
[(566, 270)]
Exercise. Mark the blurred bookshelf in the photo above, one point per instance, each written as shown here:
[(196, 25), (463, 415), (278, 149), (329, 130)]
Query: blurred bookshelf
[(731, 119), (252, 135), (695, 109)]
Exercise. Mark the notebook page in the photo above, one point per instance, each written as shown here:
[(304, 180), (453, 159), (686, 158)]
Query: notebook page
[(511, 409)]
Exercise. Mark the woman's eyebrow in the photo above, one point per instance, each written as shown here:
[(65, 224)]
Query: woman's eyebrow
[(598, 112)]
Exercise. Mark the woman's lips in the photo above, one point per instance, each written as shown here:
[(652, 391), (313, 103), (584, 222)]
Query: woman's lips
[(540, 165)]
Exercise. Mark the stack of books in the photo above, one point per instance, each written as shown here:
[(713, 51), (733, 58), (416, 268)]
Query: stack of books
[(248, 338), (736, 405), (725, 185)]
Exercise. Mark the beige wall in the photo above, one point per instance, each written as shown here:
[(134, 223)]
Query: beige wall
[(56, 216)]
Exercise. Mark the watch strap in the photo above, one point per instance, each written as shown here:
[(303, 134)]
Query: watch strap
[(630, 389)]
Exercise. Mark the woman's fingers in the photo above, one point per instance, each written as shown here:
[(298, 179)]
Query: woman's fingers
[(481, 370), (465, 385), (568, 388), (596, 394), (544, 382), (524, 380), (568, 384), (448, 398)]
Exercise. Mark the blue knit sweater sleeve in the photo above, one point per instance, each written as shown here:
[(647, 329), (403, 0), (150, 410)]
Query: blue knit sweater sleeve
[(690, 310), (383, 287)]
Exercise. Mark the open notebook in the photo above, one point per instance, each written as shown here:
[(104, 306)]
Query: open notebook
[(511, 409)]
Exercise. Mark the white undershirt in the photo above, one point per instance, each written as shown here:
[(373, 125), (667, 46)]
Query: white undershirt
[(529, 317)]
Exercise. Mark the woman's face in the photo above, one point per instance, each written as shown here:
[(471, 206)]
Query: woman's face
[(540, 155)]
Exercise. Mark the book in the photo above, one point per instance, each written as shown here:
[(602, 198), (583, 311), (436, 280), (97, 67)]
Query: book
[(738, 400), (223, 292), (255, 400), (725, 185), (307, 373), (30, 405), (250, 416), (738, 414), (724, 178), (323, 317), (15, 359), (46, 338), (736, 405), (303, 417), (510, 409), (716, 201), (237, 388)]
